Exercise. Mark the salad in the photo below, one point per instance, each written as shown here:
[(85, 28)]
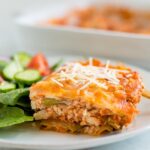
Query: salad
[(17, 74)]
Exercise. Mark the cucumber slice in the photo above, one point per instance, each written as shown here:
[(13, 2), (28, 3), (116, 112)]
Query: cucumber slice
[(28, 76), (23, 58), (6, 86), (3, 64), (10, 70)]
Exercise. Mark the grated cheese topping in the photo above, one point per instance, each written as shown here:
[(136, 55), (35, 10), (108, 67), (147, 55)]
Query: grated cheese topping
[(57, 82), (84, 76)]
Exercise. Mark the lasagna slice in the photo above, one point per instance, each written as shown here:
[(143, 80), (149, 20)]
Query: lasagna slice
[(87, 97)]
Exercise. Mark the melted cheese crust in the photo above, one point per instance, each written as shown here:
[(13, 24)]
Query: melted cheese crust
[(119, 93)]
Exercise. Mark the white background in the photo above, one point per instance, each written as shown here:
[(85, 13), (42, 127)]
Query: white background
[(10, 8)]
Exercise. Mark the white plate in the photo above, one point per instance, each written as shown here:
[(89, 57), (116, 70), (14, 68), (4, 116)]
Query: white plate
[(72, 40), (26, 136)]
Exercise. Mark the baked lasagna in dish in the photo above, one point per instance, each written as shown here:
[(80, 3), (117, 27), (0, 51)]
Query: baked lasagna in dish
[(87, 97), (112, 18)]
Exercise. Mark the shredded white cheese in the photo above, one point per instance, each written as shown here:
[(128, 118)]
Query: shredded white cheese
[(86, 85), (67, 76), (107, 65), (91, 61), (57, 82), (83, 76)]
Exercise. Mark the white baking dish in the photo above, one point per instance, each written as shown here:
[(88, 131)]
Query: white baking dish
[(61, 40)]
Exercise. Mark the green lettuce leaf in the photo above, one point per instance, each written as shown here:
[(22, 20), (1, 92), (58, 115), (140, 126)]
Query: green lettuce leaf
[(12, 97), (3, 64), (57, 65), (12, 115)]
